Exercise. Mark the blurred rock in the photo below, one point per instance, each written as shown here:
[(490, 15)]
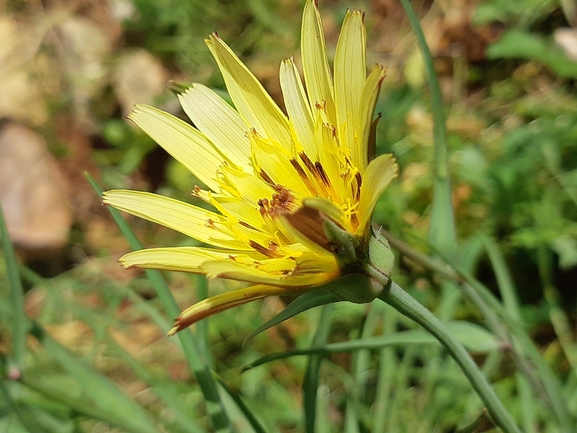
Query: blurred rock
[(567, 40), (85, 49), (22, 93), (138, 78), (32, 193)]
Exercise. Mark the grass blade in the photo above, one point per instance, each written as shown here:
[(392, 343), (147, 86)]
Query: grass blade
[(105, 397), (311, 379), (190, 345), (442, 231), (304, 302), (250, 416), (19, 320)]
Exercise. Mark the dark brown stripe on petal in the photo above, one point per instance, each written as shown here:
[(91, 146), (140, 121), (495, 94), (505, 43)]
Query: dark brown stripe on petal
[(247, 225), (302, 173), (359, 178), (264, 250), (308, 163), (322, 173), (299, 169), (266, 178)]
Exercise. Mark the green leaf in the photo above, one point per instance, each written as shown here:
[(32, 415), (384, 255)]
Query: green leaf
[(112, 405), (309, 300), (518, 44), (19, 320), (190, 344), (475, 338)]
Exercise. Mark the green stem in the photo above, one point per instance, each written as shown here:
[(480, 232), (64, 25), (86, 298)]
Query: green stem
[(408, 306), (19, 320), (442, 232)]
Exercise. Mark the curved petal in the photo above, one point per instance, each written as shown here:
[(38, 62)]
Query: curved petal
[(367, 109), (297, 106), (225, 301), (184, 259), (219, 122), (379, 174), (276, 164), (249, 97), (186, 144), (350, 75), (315, 64), (177, 215), (234, 270)]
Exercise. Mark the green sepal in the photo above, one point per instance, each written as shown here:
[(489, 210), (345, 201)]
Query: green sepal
[(362, 258), (381, 257)]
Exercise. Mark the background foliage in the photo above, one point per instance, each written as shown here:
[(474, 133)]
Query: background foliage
[(96, 358)]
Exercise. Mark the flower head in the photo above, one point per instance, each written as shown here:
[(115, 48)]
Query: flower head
[(276, 180)]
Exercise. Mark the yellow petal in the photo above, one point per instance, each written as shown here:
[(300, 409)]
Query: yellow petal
[(297, 106), (275, 163), (248, 95), (367, 109), (185, 259), (379, 174), (328, 208), (245, 185), (315, 64), (243, 272), (238, 209), (183, 217), (350, 76), (219, 122), (223, 302), (186, 144)]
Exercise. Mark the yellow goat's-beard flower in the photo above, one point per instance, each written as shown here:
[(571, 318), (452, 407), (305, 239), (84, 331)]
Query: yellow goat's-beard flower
[(273, 178)]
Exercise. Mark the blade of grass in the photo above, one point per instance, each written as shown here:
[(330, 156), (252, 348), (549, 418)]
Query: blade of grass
[(20, 323), (168, 394), (388, 366), (190, 345), (442, 231), (313, 299), (13, 407), (360, 367), (236, 397), (557, 316), (507, 289), (405, 304), (545, 383), (311, 378), (478, 340), (202, 329), (104, 395)]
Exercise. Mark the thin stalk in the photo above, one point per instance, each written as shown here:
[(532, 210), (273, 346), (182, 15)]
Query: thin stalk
[(20, 323), (311, 379), (543, 383), (442, 231), (190, 343), (408, 306)]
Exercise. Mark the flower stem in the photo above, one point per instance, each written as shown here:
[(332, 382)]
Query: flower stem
[(408, 306)]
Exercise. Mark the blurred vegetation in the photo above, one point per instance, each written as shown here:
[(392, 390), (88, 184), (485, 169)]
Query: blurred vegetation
[(96, 358)]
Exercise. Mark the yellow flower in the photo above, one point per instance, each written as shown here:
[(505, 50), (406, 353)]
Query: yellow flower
[(272, 177)]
